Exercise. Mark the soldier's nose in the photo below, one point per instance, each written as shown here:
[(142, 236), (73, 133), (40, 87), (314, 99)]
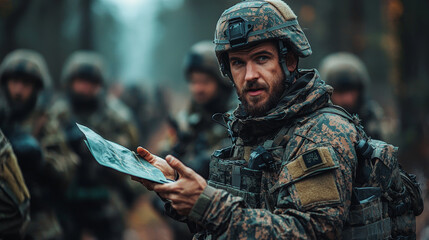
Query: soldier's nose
[(251, 73)]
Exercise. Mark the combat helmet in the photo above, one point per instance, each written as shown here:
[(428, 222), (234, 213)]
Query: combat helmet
[(27, 64), (249, 22), (88, 65), (202, 57), (344, 71)]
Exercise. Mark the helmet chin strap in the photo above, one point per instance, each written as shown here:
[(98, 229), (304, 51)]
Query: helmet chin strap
[(289, 76)]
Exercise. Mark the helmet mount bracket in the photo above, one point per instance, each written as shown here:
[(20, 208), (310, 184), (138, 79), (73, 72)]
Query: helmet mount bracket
[(238, 31)]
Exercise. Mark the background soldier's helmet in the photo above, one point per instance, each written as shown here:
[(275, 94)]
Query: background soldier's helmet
[(87, 65), (344, 71), (202, 57), (249, 22), (28, 64)]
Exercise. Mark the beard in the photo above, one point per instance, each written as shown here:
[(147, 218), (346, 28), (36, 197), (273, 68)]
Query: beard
[(19, 107), (83, 103), (256, 108)]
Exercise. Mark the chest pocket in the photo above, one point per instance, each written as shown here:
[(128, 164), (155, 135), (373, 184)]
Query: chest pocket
[(234, 177), (238, 179)]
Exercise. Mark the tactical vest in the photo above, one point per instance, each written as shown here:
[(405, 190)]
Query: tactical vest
[(230, 173), (385, 199)]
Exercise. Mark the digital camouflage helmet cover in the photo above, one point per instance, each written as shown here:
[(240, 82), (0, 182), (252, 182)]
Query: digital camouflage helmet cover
[(249, 22)]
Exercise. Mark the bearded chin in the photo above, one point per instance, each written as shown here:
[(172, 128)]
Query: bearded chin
[(259, 110)]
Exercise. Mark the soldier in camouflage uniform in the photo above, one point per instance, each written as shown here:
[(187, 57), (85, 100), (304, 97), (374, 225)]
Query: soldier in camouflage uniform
[(197, 133), (14, 195), (46, 161), (98, 195), (347, 74), (291, 171)]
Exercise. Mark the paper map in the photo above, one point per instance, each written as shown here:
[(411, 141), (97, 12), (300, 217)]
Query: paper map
[(115, 156)]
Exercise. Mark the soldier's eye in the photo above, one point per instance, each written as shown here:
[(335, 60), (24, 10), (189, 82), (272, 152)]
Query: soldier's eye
[(262, 58), (237, 62)]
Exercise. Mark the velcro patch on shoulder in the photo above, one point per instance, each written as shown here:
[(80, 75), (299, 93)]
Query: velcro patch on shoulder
[(310, 161), (311, 187)]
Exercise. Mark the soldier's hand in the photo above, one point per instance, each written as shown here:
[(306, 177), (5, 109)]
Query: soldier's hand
[(157, 162), (185, 192)]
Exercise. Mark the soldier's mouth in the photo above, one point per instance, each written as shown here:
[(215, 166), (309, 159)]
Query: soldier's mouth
[(255, 92)]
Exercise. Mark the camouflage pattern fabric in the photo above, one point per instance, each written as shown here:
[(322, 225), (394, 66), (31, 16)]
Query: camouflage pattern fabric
[(309, 195), (53, 179), (14, 195), (106, 121), (249, 22), (268, 20), (61, 161)]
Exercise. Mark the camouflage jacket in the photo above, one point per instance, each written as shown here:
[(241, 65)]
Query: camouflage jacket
[(307, 192), (14, 195), (109, 120), (91, 180)]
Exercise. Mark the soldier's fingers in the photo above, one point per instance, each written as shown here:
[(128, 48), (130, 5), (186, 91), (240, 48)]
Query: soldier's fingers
[(166, 188), (164, 195), (148, 184), (177, 165), (145, 154)]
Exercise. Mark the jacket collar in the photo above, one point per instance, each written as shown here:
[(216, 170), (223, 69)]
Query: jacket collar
[(305, 96)]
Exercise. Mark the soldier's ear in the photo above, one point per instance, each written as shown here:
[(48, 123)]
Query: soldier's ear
[(291, 61)]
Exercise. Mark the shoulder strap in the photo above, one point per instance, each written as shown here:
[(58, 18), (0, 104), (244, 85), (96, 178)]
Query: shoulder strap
[(334, 109), (353, 119), (287, 131)]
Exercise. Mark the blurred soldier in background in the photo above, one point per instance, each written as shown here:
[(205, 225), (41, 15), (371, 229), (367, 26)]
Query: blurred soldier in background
[(84, 81), (135, 97), (198, 135), (98, 196), (14, 195), (46, 162), (350, 79)]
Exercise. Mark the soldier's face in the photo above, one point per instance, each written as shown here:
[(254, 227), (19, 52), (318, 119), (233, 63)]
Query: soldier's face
[(346, 99), (85, 88), (20, 90), (258, 77), (203, 87)]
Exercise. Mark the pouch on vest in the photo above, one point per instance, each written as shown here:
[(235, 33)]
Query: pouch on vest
[(367, 218), (378, 167), (233, 176)]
